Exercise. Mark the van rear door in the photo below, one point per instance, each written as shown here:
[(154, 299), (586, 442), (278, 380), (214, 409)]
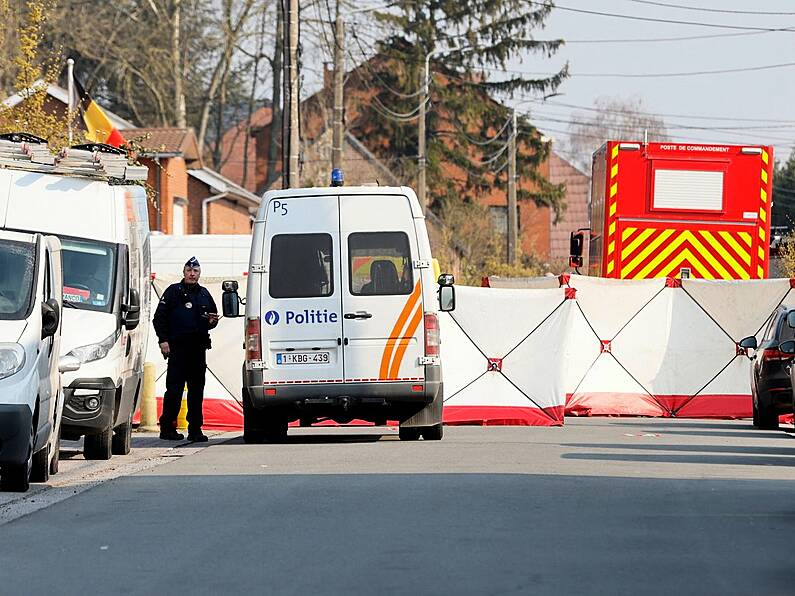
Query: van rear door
[(381, 291), (300, 307)]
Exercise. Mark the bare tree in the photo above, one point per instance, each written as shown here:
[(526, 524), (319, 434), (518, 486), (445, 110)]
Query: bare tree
[(611, 118)]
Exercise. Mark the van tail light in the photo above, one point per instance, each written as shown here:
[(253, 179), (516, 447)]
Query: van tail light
[(431, 335), (774, 355), (253, 339)]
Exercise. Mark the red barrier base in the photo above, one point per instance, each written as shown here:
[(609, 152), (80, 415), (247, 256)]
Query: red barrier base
[(502, 416), (227, 415), (640, 404)]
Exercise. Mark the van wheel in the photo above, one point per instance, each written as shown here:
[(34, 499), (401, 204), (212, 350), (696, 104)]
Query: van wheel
[(253, 433), (122, 438), (16, 477), (433, 433), (275, 428), (99, 446), (409, 433), (40, 471)]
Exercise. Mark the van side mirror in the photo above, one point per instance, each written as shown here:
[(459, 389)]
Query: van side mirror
[(791, 319), (749, 343), (788, 347), (576, 243), (230, 300), (50, 318), (446, 292), (132, 311)]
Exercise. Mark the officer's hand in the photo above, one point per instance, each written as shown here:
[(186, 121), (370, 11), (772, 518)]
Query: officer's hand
[(165, 349), (213, 318)]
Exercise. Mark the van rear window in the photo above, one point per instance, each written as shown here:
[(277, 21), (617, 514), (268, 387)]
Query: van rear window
[(301, 266), (380, 264)]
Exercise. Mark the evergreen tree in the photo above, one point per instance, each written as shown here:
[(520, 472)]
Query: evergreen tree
[(467, 40)]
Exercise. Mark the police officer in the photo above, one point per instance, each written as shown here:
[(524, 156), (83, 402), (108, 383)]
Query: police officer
[(182, 321)]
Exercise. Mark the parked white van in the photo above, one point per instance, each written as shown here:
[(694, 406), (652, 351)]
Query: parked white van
[(31, 399), (341, 313), (88, 200)]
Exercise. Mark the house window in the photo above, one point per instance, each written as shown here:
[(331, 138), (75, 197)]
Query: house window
[(179, 215), (499, 218)]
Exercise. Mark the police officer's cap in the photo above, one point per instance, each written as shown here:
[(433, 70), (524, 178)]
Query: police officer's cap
[(193, 262)]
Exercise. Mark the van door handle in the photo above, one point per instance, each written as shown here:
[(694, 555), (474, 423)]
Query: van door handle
[(359, 314)]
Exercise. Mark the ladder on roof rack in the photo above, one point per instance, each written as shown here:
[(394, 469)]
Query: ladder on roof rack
[(28, 152)]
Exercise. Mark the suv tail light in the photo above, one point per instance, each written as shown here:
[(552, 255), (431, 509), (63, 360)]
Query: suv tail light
[(431, 335), (774, 355), (253, 339)]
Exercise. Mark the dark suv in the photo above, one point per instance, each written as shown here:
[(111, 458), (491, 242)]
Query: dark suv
[(771, 387)]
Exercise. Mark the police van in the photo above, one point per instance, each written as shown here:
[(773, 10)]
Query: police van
[(31, 399), (341, 313), (91, 200)]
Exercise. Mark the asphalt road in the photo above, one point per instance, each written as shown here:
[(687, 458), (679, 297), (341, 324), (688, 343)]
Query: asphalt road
[(601, 506)]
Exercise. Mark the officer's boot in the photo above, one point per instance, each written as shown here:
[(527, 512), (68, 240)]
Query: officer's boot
[(170, 434)]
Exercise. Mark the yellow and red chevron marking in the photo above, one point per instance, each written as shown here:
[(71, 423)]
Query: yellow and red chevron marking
[(764, 215), (612, 202), (401, 335), (662, 252)]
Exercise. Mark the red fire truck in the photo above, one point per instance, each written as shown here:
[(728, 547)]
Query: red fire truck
[(680, 210)]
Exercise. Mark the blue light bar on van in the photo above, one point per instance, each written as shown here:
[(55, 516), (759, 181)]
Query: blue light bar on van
[(337, 179)]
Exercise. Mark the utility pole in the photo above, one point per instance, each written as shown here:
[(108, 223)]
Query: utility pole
[(292, 170), (512, 213), (285, 76), (421, 161), (339, 79)]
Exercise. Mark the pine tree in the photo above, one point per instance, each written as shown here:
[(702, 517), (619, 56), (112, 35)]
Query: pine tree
[(467, 39)]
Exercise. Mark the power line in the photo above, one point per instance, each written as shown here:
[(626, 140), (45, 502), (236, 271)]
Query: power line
[(625, 75), (660, 115), (656, 20), (713, 10), (667, 39)]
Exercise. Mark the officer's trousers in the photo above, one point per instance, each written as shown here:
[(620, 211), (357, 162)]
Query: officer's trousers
[(187, 364)]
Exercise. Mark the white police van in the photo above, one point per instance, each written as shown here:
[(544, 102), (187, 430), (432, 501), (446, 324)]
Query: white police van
[(31, 399), (341, 313), (89, 198)]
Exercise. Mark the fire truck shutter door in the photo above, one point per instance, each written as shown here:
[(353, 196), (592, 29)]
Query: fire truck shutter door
[(688, 189)]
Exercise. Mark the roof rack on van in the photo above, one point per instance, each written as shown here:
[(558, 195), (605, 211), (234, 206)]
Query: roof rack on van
[(28, 152)]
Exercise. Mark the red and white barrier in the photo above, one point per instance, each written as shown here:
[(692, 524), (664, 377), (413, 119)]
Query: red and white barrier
[(590, 346), (502, 354)]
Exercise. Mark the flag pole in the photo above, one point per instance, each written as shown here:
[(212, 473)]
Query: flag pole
[(70, 86)]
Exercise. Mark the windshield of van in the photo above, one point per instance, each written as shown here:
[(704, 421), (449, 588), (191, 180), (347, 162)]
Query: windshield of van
[(17, 265), (89, 274)]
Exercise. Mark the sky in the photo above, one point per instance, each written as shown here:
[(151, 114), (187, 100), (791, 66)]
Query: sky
[(740, 107)]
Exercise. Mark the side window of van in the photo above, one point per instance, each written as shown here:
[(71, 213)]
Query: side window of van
[(301, 266), (380, 264)]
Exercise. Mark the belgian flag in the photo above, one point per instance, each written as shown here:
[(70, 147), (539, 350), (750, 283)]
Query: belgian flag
[(98, 126)]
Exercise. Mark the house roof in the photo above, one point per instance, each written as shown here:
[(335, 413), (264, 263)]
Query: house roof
[(167, 141), (62, 95), (221, 185)]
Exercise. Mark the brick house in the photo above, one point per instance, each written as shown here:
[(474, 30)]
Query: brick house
[(538, 233)]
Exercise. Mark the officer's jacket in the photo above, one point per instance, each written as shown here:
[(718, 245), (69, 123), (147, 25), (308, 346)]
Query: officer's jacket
[(182, 314)]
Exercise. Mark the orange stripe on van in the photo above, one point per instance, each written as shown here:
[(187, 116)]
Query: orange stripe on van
[(404, 343), (395, 335)]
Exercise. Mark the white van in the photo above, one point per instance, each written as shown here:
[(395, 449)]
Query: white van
[(31, 399), (103, 225), (341, 313)]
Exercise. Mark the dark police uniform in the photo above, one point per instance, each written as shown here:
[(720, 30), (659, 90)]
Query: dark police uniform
[(181, 320)]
